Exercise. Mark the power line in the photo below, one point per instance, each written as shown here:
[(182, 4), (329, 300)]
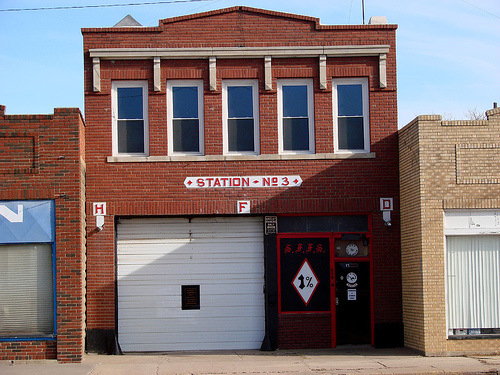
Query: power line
[(484, 10), (103, 5)]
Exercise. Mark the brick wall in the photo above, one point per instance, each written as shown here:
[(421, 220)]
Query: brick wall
[(304, 331), (27, 350), (49, 150), (411, 239), (330, 185), (443, 165)]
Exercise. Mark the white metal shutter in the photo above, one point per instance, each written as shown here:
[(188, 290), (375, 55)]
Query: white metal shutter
[(222, 255), (26, 290), (473, 287)]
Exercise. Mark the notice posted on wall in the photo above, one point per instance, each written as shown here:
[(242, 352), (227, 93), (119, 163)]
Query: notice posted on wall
[(351, 294)]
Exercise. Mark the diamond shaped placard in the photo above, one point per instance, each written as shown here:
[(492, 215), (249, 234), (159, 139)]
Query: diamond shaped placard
[(305, 282)]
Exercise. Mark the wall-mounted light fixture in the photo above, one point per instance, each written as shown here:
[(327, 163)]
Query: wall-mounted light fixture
[(99, 222)]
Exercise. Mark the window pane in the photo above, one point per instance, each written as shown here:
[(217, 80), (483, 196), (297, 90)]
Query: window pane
[(240, 135), (295, 134), (186, 136), (239, 101), (294, 101), (185, 102), (343, 223), (351, 136), (26, 290), (350, 100), (473, 283), (129, 102), (131, 136)]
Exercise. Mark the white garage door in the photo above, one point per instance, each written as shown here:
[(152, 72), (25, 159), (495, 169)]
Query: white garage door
[(156, 257)]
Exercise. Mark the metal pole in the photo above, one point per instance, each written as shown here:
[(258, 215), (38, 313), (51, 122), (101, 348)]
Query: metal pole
[(363, 6)]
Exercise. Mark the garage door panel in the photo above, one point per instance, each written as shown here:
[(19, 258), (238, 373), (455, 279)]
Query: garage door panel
[(222, 255), (188, 279), (190, 268), (179, 324), (168, 302), (187, 345), (145, 258), (218, 304), (244, 312), (161, 247), (133, 229), (203, 336), (138, 293)]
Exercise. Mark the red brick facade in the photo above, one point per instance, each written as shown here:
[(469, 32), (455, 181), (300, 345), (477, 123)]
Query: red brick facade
[(304, 331), (42, 158), (332, 184)]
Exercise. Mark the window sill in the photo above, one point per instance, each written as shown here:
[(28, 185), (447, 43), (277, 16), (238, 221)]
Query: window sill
[(208, 158), (28, 338), (485, 336)]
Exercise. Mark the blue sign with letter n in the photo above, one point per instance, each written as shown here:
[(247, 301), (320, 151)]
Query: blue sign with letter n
[(27, 221)]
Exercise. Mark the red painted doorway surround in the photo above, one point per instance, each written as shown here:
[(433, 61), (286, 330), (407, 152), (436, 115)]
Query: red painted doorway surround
[(325, 284)]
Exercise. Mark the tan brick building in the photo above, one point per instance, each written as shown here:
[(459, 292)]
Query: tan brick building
[(450, 220)]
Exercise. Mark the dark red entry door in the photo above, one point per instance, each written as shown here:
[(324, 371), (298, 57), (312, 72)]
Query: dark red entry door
[(312, 281)]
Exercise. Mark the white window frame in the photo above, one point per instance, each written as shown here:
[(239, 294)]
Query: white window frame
[(366, 113), (255, 103), (310, 113), (170, 111), (114, 114)]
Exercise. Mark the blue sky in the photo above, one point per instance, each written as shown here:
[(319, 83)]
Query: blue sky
[(448, 51)]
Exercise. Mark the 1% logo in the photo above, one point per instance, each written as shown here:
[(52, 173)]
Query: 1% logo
[(305, 282)]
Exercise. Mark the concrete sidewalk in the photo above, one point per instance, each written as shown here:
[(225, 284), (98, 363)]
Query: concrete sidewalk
[(344, 360)]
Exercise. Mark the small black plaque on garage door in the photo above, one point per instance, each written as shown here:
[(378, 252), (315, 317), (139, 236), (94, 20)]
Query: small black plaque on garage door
[(190, 297)]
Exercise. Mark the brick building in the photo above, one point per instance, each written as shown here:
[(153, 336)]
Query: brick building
[(236, 162), (42, 235), (450, 220)]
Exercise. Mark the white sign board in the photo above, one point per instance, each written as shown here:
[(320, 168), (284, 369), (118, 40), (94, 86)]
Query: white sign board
[(218, 182), (99, 208), (243, 207), (386, 204), (351, 295), (464, 222)]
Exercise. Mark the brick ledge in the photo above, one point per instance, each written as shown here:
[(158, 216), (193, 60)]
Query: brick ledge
[(207, 158)]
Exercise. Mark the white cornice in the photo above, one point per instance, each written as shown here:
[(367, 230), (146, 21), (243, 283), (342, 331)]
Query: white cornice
[(225, 158), (214, 53), (237, 52)]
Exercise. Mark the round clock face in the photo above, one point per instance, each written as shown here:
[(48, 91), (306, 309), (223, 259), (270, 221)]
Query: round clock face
[(351, 277), (352, 249)]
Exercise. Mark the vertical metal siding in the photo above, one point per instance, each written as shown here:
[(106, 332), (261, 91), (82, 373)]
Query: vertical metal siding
[(222, 255)]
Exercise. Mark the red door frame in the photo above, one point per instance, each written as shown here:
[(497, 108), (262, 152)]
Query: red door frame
[(333, 260)]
